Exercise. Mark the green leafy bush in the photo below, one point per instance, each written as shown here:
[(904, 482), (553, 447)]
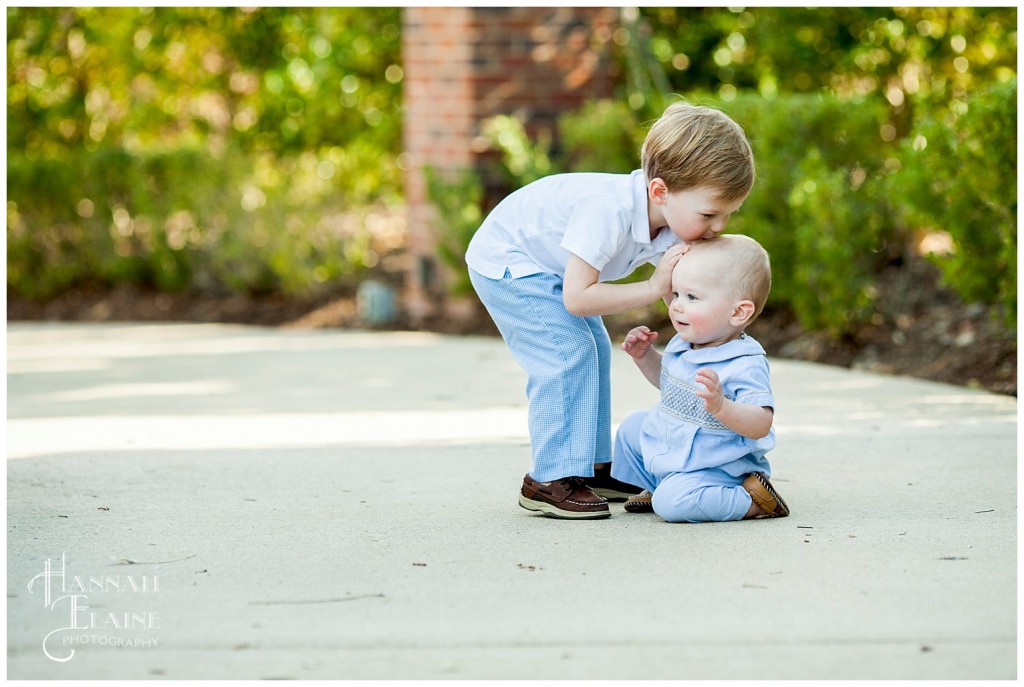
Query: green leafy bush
[(184, 219), (959, 176), (524, 160), (815, 206), (840, 236)]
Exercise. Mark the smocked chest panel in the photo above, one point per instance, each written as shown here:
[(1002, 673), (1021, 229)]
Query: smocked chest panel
[(679, 399)]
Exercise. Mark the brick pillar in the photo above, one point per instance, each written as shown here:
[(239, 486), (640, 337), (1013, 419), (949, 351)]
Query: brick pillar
[(464, 65)]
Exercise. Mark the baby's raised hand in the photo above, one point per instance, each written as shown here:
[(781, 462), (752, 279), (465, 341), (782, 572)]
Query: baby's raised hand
[(709, 388), (638, 341)]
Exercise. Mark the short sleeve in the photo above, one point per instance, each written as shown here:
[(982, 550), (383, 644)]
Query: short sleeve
[(598, 229), (752, 384)]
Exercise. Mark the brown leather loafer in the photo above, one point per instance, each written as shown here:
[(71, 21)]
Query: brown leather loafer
[(639, 503), (764, 495), (567, 498)]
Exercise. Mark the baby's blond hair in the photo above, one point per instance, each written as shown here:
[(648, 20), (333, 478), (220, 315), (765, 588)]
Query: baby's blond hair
[(693, 146), (746, 265)]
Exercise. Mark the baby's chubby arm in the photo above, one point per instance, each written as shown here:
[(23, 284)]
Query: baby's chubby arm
[(584, 295), (639, 343), (753, 422)]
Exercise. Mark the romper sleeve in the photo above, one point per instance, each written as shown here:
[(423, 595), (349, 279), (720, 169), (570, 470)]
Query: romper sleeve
[(752, 384)]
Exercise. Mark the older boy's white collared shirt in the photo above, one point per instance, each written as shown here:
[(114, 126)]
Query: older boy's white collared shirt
[(601, 218)]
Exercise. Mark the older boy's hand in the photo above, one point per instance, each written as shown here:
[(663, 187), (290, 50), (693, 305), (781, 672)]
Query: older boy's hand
[(661, 280), (639, 341)]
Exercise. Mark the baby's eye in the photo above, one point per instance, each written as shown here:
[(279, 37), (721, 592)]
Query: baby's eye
[(690, 297), (706, 215)]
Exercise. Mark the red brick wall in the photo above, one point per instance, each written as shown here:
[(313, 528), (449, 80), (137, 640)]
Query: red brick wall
[(464, 65)]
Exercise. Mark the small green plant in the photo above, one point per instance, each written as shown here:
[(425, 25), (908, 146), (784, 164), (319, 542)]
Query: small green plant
[(524, 160), (457, 202), (602, 136)]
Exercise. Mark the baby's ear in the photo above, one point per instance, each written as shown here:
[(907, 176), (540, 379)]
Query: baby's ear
[(743, 312)]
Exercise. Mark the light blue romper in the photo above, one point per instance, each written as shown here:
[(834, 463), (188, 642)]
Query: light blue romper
[(692, 463)]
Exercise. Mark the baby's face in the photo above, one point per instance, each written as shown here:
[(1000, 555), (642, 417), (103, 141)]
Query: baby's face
[(703, 300)]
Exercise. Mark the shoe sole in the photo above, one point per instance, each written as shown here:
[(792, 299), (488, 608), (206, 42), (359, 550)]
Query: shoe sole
[(638, 504), (552, 511)]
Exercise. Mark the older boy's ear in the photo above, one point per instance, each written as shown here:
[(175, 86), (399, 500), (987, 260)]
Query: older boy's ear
[(742, 313), (657, 190)]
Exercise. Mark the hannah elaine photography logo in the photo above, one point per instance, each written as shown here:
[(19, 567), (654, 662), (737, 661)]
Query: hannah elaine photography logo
[(67, 597)]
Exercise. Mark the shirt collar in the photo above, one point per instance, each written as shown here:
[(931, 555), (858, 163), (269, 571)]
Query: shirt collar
[(642, 222)]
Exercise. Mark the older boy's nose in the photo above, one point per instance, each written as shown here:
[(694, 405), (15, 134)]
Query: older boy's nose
[(715, 229)]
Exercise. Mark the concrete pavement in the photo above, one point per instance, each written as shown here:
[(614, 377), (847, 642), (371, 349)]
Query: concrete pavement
[(213, 501)]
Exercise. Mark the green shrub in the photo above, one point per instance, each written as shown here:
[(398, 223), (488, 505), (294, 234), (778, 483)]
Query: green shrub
[(524, 160), (184, 219), (815, 206), (603, 136), (200, 148), (839, 233), (960, 177)]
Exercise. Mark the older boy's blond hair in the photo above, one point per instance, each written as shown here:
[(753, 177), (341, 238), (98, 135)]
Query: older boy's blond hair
[(745, 263), (692, 146)]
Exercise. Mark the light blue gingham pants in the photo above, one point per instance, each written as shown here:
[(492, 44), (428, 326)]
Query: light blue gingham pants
[(568, 364)]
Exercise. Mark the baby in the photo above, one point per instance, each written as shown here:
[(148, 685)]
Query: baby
[(699, 455)]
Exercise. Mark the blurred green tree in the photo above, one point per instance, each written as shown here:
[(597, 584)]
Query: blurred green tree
[(907, 56), (283, 80), (204, 147)]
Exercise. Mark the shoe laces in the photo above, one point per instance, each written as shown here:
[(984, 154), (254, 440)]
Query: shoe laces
[(567, 484)]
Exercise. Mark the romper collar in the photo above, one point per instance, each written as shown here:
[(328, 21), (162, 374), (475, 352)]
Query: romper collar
[(745, 345)]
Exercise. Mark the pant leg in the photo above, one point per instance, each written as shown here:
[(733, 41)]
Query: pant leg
[(702, 496), (627, 459), (603, 344), (559, 354)]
